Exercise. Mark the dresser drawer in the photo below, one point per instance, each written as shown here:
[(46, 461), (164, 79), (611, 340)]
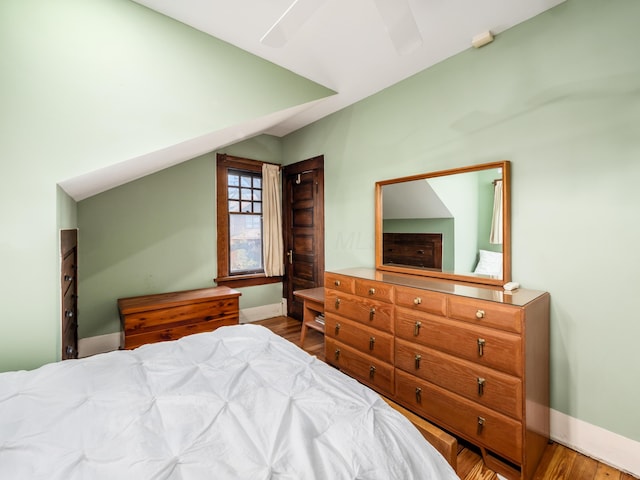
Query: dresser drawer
[(369, 370), (485, 346), (484, 385), (480, 425), (368, 340), (340, 283), (488, 314), (376, 290), (422, 300), (372, 313)]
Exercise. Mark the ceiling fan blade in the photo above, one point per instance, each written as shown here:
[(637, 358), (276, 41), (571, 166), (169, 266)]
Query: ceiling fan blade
[(401, 25), (290, 22)]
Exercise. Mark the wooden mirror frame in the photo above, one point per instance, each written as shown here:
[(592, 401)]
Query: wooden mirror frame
[(467, 278)]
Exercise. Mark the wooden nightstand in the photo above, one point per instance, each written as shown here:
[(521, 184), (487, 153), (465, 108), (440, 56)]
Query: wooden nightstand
[(313, 299)]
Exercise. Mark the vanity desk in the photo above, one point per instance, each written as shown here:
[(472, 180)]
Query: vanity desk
[(473, 359)]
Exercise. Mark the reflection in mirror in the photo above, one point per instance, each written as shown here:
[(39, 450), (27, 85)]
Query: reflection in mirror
[(450, 224)]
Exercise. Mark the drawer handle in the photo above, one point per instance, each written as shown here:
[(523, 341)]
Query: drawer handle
[(337, 303), (336, 283), (68, 278), (372, 341), (68, 313), (481, 382), (372, 291), (372, 372), (337, 328), (372, 312), (417, 301), (481, 422), (481, 343), (417, 361), (418, 395), (416, 329), (480, 314), (337, 354)]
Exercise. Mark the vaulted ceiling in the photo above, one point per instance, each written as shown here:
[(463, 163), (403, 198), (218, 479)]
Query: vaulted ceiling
[(346, 45)]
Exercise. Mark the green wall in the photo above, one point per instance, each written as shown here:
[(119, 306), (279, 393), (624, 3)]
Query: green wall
[(157, 234), (87, 84), (558, 96)]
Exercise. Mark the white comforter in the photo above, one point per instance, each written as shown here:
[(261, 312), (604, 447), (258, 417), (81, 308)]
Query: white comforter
[(237, 403)]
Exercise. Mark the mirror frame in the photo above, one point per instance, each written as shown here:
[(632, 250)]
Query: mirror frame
[(506, 226)]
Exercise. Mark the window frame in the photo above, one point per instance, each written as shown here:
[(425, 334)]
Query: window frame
[(224, 163)]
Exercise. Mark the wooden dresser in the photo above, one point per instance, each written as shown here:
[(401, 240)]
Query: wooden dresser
[(169, 316), (472, 359)]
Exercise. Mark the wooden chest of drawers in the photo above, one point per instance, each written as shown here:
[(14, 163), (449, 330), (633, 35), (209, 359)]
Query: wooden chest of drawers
[(169, 316), (473, 360)]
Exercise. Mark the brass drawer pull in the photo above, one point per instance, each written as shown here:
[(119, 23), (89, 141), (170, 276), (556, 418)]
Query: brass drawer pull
[(417, 301), (417, 361), (481, 382), (372, 312), (372, 291), (337, 328), (372, 341), (418, 395), (416, 329), (336, 283), (337, 303), (372, 372), (481, 422), (481, 343), (337, 354), (480, 314)]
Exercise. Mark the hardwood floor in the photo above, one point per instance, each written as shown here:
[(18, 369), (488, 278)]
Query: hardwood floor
[(558, 462)]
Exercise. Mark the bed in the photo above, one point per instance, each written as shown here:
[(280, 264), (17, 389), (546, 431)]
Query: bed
[(236, 403)]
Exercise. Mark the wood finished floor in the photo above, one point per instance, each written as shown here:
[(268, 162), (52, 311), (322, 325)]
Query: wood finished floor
[(558, 462)]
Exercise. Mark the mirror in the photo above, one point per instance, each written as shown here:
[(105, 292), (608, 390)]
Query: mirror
[(453, 224)]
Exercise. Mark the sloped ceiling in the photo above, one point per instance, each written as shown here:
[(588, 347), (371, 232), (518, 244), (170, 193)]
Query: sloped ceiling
[(343, 46)]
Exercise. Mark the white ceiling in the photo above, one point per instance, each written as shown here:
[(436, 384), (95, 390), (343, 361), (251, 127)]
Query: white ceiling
[(343, 46)]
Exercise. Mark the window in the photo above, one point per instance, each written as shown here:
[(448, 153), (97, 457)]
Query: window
[(244, 205), (239, 211)]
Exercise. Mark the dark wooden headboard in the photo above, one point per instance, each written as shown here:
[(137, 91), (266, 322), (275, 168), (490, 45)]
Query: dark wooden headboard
[(414, 249)]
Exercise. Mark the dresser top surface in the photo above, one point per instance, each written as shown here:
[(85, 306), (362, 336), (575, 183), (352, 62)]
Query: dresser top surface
[(519, 297)]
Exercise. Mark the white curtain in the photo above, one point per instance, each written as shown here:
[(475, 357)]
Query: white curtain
[(496, 220), (272, 246)]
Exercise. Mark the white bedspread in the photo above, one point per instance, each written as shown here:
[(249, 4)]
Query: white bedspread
[(237, 403)]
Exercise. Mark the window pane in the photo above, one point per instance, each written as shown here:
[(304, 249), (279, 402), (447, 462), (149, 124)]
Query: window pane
[(257, 207), (234, 193), (257, 195), (245, 180), (233, 180), (246, 207), (234, 206), (257, 182), (246, 194), (245, 242)]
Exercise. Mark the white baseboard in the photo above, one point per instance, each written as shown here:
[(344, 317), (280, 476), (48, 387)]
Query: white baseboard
[(111, 341), (248, 315), (98, 344), (596, 442)]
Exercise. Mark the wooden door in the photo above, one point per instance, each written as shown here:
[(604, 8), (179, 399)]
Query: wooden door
[(69, 293), (303, 229)]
